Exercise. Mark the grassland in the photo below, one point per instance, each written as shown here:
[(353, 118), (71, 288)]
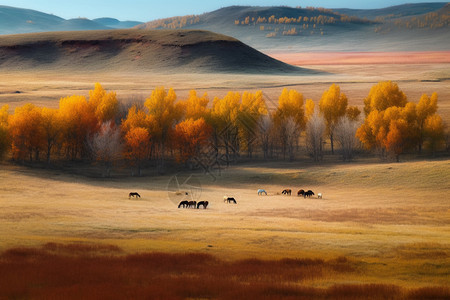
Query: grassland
[(381, 229), (387, 222)]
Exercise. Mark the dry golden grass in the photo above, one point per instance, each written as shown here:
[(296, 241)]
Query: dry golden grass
[(389, 221)]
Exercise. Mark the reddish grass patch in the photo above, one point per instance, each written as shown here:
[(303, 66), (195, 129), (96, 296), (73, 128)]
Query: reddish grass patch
[(73, 271)]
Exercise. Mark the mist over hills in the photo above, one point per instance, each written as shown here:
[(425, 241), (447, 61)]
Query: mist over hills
[(406, 27), (18, 20), (136, 50)]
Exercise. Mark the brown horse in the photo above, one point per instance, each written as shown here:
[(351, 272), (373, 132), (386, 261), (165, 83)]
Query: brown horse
[(308, 194), (192, 204), (301, 193), (183, 204), (229, 199), (287, 192), (202, 203)]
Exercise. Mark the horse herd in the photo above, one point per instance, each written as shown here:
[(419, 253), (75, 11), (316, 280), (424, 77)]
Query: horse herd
[(204, 204), (303, 193)]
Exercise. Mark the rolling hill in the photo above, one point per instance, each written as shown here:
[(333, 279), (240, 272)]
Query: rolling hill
[(299, 29), (18, 20), (136, 50)]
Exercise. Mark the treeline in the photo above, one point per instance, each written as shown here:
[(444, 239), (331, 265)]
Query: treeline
[(199, 133)]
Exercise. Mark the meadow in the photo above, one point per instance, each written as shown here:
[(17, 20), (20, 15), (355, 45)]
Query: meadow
[(382, 229)]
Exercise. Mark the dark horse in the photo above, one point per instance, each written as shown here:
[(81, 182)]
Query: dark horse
[(229, 199), (286, 192), (192, 204), (308, 194), (136, 195), (203, 203), (184, 204), (301, 193)]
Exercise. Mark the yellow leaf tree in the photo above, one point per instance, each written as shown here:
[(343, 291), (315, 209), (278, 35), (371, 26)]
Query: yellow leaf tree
[(383, 95), (105, 105), (164, 113), (426, 108), (137, 144), (333, 106), (51, 129), (190, 136), (25, 131)]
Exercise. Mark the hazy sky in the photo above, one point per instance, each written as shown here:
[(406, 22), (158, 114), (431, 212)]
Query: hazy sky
[(147, 10)]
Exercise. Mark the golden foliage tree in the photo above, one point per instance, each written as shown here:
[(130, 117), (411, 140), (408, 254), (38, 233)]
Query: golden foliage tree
[(51, 129), (163, 113), (25, 132), (289, 120), (434, 132), (333, 106), (250, 111), (426, 108), (309, 108), (224, 119), (78, 122), (196, 107), (105, 105), (383, 95)]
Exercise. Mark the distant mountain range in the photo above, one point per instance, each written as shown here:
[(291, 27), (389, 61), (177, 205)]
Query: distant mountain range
[(18, 20)]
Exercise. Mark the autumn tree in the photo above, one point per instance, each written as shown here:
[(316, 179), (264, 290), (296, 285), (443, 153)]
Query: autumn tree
[(353, 113), (224, 119), (252, 108), (309, 108), (196, 107), (190, 136), (333, 106), (265, 133), (426, 108), (383, 95), (51, 129), (4, 134), (345, 134), (137, 143), (290, 107), (106, 145), (434, 132), (25, 131), (163, 114), (105, 105), (315, 130), (78, 123)]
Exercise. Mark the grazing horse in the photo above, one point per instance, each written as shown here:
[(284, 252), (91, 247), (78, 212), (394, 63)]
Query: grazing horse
[(203, 203), (229, 199), (261, 191), (319, 195), (184, 204), (134, 195), (301, 193), (286, 192), (192, 204), (308, 194)]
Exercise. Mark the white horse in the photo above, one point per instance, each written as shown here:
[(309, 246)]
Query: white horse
[(261, 191)]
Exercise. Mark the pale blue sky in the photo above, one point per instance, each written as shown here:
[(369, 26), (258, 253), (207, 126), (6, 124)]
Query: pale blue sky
[(147, 10)]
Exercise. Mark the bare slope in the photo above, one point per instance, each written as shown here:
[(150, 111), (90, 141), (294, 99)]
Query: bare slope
[(136, 50)]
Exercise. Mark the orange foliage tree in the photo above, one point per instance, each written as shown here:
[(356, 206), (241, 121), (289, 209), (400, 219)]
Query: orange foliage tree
[(25, 131), (383, 95), (78, 123), (190, 136), (137, 143), (105, 105), (4, 134)]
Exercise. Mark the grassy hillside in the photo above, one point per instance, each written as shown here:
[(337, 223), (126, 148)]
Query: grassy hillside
[(136, 50), (303, 29)]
